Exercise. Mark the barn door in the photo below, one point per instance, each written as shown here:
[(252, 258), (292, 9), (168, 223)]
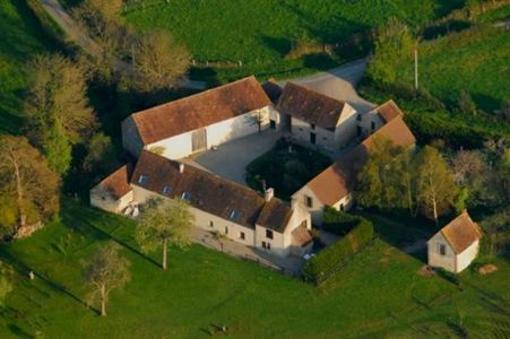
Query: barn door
[(199, 140)]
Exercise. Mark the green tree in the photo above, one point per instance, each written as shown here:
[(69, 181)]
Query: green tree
[(58, 113), (164, 223), (106, 271), (436, 189), (159, 61), (101, 155), (26, 183), (393, 48)]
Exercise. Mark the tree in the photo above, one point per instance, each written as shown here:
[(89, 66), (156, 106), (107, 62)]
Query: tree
[(106, 271), (27, 182), (436, 189), (58, 113), (466, 103), (380, 180), (164, 223), (159, 61), (393, 48), (101, 155)]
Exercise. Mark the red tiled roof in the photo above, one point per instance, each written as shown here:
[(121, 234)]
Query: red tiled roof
[(338, 180), (210, 193), (117, 183), (461, 232), (310, 106), (301, 236), (389, 110), (200, 110)]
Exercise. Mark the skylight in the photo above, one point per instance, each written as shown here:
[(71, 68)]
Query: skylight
[(186, 196), (142, 179), (235, 215), (167, 189)]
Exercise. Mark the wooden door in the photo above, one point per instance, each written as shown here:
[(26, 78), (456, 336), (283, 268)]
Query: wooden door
[(199, 140)]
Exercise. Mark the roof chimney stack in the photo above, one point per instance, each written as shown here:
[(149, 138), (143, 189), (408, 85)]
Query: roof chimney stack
[(268, 194), (181, 168)]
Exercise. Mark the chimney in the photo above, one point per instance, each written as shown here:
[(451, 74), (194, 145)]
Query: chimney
[(268, 194), (181, 168)]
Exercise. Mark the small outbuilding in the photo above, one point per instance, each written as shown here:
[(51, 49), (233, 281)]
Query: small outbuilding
[(456, 245)]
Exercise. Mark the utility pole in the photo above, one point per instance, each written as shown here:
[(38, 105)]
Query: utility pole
[(416, 65)]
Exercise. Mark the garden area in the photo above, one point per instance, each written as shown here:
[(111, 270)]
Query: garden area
[(378, 293), (286, 168), (271, 38)]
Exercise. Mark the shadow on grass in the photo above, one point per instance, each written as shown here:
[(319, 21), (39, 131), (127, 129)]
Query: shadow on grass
[(23, 269), (87, 228)]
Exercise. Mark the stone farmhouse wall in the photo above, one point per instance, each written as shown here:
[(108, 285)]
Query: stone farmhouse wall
[(101, 198), (435, 259)]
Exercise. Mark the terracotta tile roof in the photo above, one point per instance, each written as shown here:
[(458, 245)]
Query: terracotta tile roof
[(273, 90), (209, 193), (200, 110), (310, 106), (338, 180), (461, 232), (389, 110), (301, 236), (274, 215), (117, 183)]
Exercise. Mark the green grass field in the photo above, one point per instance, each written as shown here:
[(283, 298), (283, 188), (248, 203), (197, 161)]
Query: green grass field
[(474, 60), (261, 32), (22, 38), (378, 294)]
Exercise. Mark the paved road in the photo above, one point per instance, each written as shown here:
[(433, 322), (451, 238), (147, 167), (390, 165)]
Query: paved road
[(339, 83), (76, 35)]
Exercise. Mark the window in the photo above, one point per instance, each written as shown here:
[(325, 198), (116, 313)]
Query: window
[(359, 130), (211, 223), (272, 124), (312, 126), (269, 234), (186, 196), (312, 138), (241, 235), (442, 249), (142, 179), (342, 207), (373, 125), (167, 190), (235, 215), (308, 201), (226, 229), (358, 117)]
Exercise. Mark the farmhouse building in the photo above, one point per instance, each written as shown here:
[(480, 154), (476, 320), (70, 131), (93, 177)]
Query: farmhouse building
[(334, 186), (202, 121), (456, 245), (316, 119), (218, 205)]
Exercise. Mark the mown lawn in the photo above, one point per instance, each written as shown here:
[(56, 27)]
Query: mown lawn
[(474, 60), (378, 294), (22, 38), (259, 33)]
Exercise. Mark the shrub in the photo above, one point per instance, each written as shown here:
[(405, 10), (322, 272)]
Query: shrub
[(339, 223), (333, 258)]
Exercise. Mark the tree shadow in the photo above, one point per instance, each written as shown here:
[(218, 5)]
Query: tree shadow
[(18, 331), (281, 45)]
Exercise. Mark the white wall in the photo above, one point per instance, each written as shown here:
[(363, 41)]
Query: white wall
[(347, 127), (180, 146), (435, 259), (465, 258), (366, 122), (101, 198)]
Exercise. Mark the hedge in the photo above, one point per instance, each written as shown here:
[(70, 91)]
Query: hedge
[(339, 223), (333, 258)]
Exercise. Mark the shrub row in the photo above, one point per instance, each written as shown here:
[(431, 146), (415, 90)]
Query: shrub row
[(333, 258), (338, 223)]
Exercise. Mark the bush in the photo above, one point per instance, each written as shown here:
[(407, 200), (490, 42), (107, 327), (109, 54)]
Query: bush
[(333, 258), (339, 223)]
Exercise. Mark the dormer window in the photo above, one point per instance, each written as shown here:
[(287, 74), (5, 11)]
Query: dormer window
[(312, 126), (186, 196), (235, 215), (142, 179), (167, 190)]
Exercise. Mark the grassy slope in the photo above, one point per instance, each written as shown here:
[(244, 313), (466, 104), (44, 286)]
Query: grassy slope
[(22, 38), (260, 32), (379, 293), (476, 61)]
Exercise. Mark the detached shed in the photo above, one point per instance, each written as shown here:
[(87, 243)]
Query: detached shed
[(456, 245)]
